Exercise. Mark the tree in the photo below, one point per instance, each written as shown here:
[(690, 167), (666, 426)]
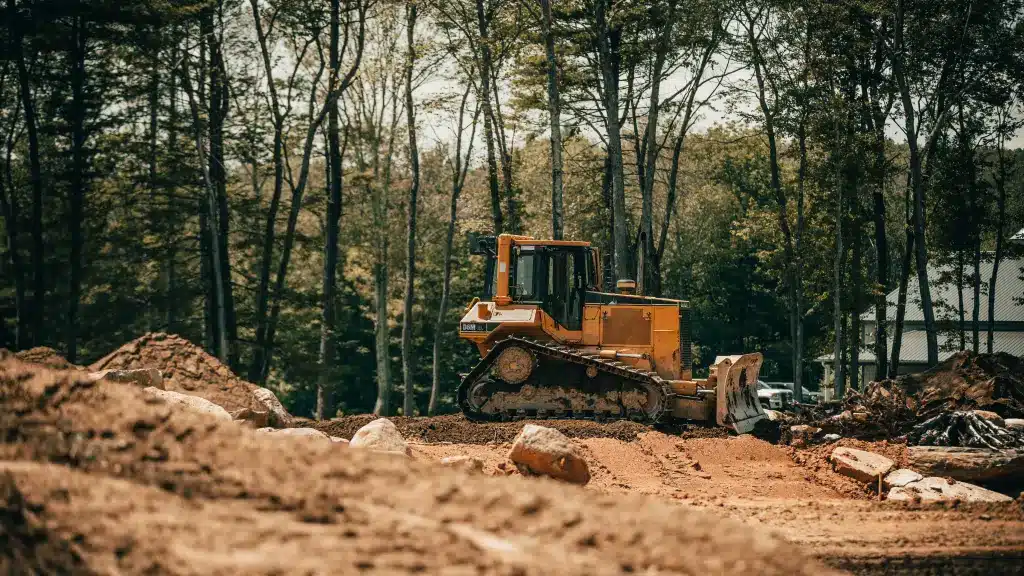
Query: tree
[(409, 404), (554, 116)]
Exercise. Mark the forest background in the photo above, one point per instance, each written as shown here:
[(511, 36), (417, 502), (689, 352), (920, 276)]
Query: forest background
[(289, 183)]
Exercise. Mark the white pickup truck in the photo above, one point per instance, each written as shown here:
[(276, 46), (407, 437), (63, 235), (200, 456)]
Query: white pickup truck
[(774, 397)]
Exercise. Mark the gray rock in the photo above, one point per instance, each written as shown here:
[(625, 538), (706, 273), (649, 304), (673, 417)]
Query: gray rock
[(194, 403), (831, 438), (934, 489), (381, 435), (310, 433), (539, 450), (267, 401), (900, 478), (860, 464)]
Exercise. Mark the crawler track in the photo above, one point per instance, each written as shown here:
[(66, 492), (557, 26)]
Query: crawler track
[(599, 387)]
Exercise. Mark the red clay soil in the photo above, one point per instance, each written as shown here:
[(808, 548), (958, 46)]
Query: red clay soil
[(97, 478), (456, 428), (186, 368), (46, 357)]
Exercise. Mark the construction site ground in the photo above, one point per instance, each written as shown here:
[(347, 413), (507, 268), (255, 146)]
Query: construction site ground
[(98, 477), (790, 492)]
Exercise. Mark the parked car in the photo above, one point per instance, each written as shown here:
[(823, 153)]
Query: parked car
[(808, 396), (774, 398)]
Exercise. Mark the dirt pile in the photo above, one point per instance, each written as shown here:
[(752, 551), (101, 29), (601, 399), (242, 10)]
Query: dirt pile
[(456, 428), (95, 477), (186, 368), (46, 357)]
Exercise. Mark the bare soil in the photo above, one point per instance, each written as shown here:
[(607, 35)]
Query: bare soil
[(185, 367), (97, 478)]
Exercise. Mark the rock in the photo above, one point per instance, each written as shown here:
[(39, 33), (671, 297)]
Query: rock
[(1016, 424), (831, 438), (194, 403), (265, 399), (860, 464), (539, 450), (991, 417), (934, 489), (254, 418), (900, 478), (470, 464), (773, 415), (803, 434), (311, 433), (380, 435), (144, 377), (338, 440), (968, 464)]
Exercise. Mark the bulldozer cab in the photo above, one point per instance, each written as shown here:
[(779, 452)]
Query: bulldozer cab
[(552, 275)]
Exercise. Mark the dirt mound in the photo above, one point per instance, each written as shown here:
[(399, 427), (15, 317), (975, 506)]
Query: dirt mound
[(97, 478), (456, 428), (46, 357), (815, 461), (186, 368)]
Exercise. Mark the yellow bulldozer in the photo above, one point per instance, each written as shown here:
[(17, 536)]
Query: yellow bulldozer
[(553, 344)]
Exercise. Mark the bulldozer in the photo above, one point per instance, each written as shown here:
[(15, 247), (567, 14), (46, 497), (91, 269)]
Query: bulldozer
[(555, 344)]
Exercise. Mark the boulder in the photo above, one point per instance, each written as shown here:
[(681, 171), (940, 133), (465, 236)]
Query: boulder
[(470, 464), (968, 464), (144, 377), (194, 403), (860, 464), (900, 478), (254, 418), (539, 450), (311, 433), (264, 399), (991, 417), (934, 489), (1015, 424), (380, 435)]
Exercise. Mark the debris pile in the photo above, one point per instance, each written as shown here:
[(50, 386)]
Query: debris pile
[(46, 357), (964, 428), (938, 407)]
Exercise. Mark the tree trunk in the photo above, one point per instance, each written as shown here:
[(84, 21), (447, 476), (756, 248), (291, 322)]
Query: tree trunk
[(76, 192), (218, 314), (332, 227), (484, 96), (961, 326), (459, 171), (36, 178), (1000, 180), (837, 284), (645, 280), (920, 251), (856, 286), (9, 211), (554, 116), (151, 181), (409, 405), (901, 299), (171, 238), (609, 57), (218, 109)]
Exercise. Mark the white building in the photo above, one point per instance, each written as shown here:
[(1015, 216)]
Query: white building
[(1008, 331)]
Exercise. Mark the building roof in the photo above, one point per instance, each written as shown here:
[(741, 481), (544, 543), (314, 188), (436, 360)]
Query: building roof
[(1009, 305), (914, 347)]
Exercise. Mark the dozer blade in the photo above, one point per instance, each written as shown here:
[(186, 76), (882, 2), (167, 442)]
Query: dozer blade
[(738, 407)]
